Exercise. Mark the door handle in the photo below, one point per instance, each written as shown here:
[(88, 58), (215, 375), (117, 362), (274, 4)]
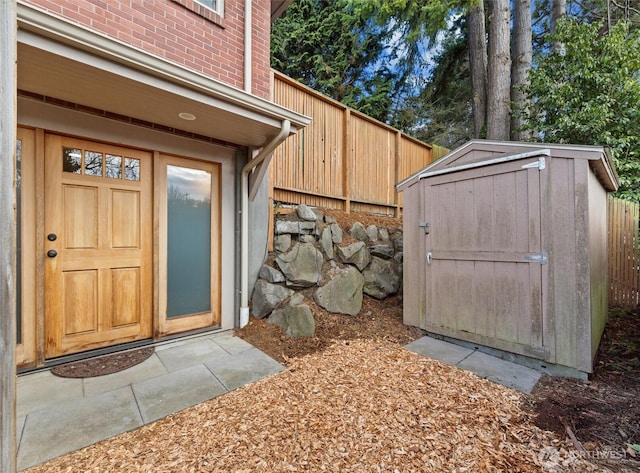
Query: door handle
[(52, 253), (429, 258)]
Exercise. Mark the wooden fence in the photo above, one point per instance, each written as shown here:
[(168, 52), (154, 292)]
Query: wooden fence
[(624, 253), (343, 160)]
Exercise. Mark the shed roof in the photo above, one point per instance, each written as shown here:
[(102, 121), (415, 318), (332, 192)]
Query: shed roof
[(477, 153)]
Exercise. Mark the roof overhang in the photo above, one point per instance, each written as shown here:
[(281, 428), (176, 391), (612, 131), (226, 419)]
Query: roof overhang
[(70, 63), (477, 153), (278, 7)]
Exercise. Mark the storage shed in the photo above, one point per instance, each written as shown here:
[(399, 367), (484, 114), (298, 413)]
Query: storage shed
[(508, 245)]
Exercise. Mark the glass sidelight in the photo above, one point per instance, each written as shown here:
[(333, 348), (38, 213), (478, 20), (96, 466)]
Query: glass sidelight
[(188, 241), (188, 196)]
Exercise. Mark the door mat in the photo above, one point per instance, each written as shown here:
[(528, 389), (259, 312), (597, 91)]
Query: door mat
[(103, 365)]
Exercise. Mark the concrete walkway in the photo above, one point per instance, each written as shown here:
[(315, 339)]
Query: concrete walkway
[(507, 373), (59, 415)]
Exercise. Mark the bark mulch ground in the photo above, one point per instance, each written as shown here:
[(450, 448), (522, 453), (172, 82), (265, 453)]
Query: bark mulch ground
[(351, 399), (603, 414), (356, 406)]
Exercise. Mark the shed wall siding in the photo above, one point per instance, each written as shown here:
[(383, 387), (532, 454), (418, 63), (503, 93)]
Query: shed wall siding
[(560, 243), (598, 259), (413, 286), (173, 32), (582, 264)]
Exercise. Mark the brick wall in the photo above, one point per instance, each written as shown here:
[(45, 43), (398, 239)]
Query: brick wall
[(182, 32)]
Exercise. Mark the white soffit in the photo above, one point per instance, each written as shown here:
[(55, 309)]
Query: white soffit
[(70, 63)]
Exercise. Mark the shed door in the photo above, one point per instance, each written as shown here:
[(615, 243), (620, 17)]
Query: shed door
[(484, 278), (98, 245)]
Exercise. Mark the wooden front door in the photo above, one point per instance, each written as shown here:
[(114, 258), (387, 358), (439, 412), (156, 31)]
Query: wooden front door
[(484, 268), (98, 244)]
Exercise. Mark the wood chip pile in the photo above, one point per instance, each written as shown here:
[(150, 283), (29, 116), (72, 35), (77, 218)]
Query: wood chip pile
[(359, 406)]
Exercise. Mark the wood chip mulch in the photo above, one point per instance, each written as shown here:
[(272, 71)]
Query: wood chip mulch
[(358, 406)]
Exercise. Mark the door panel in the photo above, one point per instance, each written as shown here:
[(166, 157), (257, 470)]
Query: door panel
[(482, 285), (98, 223)]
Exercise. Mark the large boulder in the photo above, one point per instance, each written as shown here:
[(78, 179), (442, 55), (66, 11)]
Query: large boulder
[(358, 232), (372, 232), (294, 227), (266, 297), (295, 318), (382, 278), (336, 233), (271, 274), (282, 242), (356, 254), (301, 265), (382, 250), (305, 213), (326, 242), (343, 293)]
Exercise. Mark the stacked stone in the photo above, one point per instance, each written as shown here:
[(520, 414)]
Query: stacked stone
[(308, 253)]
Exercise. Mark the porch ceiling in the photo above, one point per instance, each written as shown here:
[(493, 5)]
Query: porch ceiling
[(66, 62)]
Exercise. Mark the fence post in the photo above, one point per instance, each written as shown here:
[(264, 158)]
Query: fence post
[(346, 159), (396, 173)]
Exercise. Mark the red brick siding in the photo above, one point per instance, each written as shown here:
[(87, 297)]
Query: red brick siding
[(174, 30)]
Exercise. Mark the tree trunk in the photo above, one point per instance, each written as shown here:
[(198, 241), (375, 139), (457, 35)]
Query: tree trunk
[(558, 10), (478, 66), (498, 71), (521, 64)]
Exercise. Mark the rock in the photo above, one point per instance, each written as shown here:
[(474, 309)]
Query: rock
[(271, 274), (384, 251), (343, 293), (305, 213), (326, 243), (282, 242), (307, 239), (355, 254), (294, 227), (319, 215), (358, 232), (266, 297), (296, 299), (328, 219), (295, 318), (398, 244), (383, 233), (336, 233), (301, 322), (398, 257), (301, 265), (381, 278), (372, 232), (278, 317)]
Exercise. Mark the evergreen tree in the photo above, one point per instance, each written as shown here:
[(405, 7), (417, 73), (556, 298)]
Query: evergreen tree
[(335, 49)]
